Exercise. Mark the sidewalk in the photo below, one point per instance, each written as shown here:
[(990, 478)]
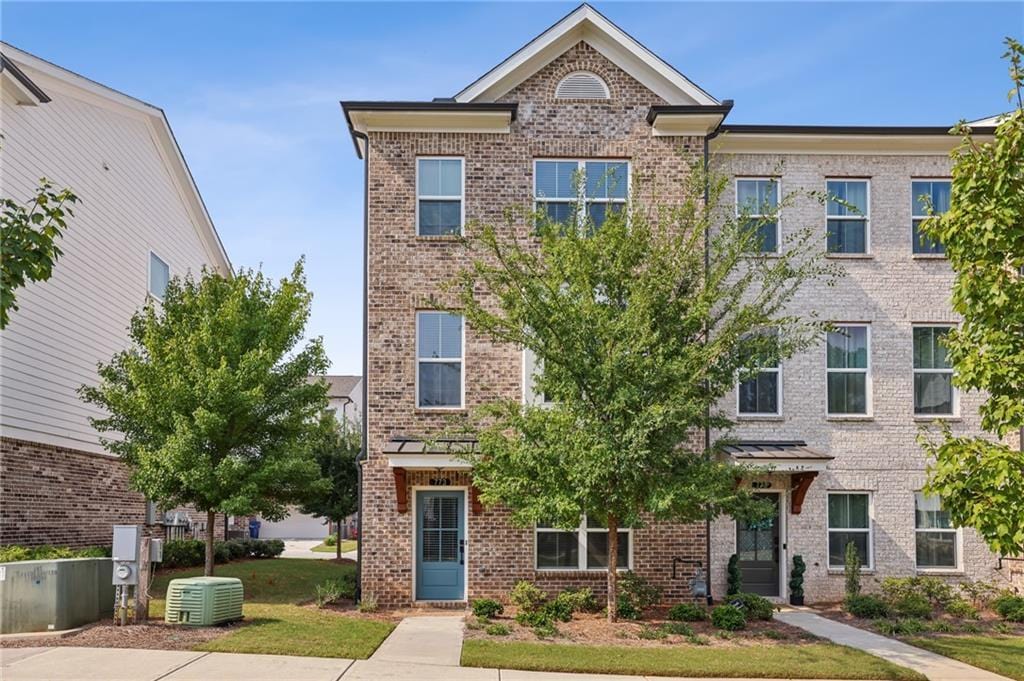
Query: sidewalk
[(934, 666)]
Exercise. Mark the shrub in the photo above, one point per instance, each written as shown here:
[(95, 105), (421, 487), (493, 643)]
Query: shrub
[(796, 578), (651, 633), (687, 612), (330, 540), (980, 593), (636, 595), (935, 590), (581, 600), (221, 552), (558, 610), (912, 605), (13, 553), (626, 610), (900, 627), (734, 577), (368, 603), (547, 630), (534, 619), (677, 628), (527, 596), (728, 617), (498, 630), (958, 607), (867, 606), (851, 570), (268, 548), (179, 553), (236, 549), (1009, 607), (328, 592), (487, 608), (754, 607)]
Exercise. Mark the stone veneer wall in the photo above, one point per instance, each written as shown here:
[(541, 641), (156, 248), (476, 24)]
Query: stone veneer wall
[(407, 271), (67, 497), (891, 289)]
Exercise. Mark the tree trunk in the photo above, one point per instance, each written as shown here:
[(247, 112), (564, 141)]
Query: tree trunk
[(337, 528), (613, 568), (211, 518)]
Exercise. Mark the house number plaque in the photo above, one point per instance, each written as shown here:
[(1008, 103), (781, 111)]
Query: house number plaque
[(440, 482)]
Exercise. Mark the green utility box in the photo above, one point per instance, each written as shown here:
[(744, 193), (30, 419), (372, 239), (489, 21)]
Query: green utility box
[(204, 601)]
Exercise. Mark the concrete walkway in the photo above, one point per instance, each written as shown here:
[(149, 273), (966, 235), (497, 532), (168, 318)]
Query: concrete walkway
[(427, 640), (934, 666), (303, 548)]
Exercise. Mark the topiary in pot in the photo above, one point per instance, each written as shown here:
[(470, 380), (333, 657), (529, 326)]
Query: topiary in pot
[(796, 581), (735, 579)]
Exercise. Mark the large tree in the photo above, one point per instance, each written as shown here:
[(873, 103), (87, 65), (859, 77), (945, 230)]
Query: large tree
[(639, 333), (210, 405), (335, 452), (981, 480), (28, 240)]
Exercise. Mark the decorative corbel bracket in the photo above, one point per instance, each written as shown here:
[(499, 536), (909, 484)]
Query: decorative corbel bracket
[(801, 482), (401, 490)]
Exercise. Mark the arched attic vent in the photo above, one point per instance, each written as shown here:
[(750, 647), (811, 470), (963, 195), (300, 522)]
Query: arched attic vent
[(582, 85)]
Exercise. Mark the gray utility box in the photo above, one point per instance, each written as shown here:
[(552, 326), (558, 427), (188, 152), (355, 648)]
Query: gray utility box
[(52, 595), (125, 552)]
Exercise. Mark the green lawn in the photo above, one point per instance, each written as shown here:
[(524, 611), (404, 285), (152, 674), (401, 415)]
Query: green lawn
[(805, 661), (1002, 655), (276, 623), (346, 545)]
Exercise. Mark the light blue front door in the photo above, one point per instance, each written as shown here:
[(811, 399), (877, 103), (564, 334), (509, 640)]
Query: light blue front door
[(440, 545)]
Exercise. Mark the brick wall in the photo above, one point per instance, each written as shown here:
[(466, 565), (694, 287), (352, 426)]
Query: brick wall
[(406, 271), (66, 497), (891, 289)]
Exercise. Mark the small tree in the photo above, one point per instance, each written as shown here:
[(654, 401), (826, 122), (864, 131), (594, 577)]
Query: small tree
[(640, 338), (796, 580), (211, 405), (28, 241), (335, 452), (851, 570), (981, 481)]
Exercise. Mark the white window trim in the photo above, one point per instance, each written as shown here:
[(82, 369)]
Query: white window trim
[(914, 217), (440, 360), (530, 367), (149, 274), (582, 532), (778, 213), (870, 565), (959, 544), (866, 217), (956, 393), (461, 198), (868, 401), (581, 166)]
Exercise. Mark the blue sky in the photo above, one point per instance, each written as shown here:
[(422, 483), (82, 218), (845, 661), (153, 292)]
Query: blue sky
[(252, 90)]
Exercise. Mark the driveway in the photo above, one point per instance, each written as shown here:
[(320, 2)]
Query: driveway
[(303, 548)]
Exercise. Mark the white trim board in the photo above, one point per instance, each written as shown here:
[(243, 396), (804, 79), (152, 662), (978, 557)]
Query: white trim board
[(590, 26)]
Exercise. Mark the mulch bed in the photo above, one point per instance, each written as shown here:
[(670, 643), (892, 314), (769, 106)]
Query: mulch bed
[(594, 629), (155, 634), (987, 623)]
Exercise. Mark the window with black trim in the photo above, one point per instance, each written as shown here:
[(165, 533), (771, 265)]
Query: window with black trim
[(583, 548)]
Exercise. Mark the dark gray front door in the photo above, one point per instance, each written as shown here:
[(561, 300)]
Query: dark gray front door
[(757, 545)]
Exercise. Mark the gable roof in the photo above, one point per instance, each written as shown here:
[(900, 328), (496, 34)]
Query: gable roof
[(587, 24), (25, 89), (163, 135)]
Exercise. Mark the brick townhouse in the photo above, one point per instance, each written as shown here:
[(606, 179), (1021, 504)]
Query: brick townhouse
[(139, 222), (837, 424)]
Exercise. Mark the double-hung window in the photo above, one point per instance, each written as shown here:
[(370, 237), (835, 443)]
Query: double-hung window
[(934, 393), (849, 521), (439, 196), (532, 369), (757, 199), (936, 536), (761, 394), (583, 548), (439, 360), (928, 197), (849, 370), (847, 216), (159, 276), (569, 191)]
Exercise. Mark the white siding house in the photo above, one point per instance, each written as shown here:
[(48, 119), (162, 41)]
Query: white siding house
[(139, 210)]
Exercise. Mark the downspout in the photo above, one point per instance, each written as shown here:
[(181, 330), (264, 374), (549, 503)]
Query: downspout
[(707, 269), (364, 452)]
